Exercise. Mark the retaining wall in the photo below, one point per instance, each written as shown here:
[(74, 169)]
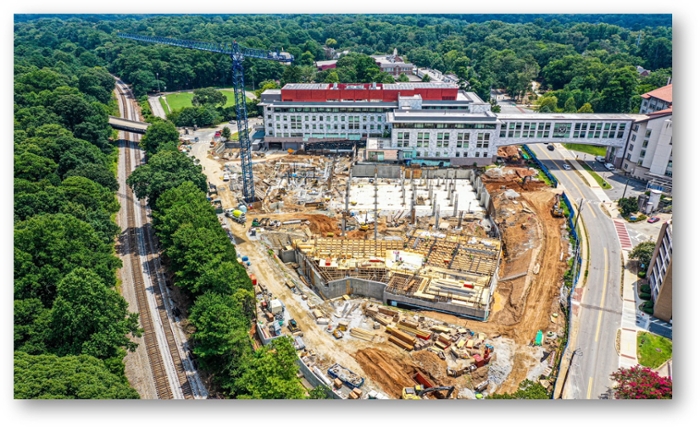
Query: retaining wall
[(470, 312), (383, 171), (314, 380)]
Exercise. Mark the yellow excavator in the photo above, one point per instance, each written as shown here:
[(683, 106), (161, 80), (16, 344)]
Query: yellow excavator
[(416, 392)]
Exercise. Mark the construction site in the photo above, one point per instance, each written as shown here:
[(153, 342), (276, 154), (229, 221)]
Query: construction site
[(399, 281)]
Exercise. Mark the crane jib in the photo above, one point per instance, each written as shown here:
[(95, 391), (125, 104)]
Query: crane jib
[(237, 54)]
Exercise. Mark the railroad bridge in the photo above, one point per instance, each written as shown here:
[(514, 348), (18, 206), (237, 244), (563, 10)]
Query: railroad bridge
[(128, 125)]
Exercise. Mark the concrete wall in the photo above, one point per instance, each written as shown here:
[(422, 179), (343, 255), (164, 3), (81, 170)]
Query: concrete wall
[(474, 313), (287, 256), (448, 173), (362, 287), (313, 379), (383, 171)]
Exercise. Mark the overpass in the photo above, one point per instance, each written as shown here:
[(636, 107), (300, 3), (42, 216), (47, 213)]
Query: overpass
[(128, 125)]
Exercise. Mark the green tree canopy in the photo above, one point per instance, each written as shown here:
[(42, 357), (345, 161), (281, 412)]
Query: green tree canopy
[(208, 96), (72, 377), (165, 170), (160, 135), (643, 252), (89, 318)]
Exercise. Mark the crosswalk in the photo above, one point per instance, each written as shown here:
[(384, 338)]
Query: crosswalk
[(623, 235)]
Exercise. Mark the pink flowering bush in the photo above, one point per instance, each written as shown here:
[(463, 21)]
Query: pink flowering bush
[(639, 382)]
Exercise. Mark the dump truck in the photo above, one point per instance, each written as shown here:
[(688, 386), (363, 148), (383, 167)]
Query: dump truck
[(557, 211), (345, 375)]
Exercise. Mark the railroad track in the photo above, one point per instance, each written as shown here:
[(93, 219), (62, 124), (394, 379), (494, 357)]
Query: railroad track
[(169, 376)]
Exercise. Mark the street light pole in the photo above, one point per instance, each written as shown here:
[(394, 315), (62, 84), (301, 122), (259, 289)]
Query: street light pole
[(158, 82)]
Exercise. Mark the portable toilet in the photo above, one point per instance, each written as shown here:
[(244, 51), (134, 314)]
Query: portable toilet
[(275, 306), (538, 338)]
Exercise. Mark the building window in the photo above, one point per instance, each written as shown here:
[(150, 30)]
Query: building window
[(629, 156), (631, 148), (634, 137), (402, 139), (457, 154), (418, 154), (443, 140), (625, 166), (482, 140), (476, 154), (462, 140), (647, 134), (635, 128), (423, 139), (642, 154)]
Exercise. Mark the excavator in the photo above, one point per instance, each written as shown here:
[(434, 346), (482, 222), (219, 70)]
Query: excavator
[(416, 392), (557, 211)]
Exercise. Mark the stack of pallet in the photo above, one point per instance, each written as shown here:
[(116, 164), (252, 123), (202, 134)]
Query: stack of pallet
[(384, 320), (371, 311), (401, 339), (440, 329), (412, 328), (362, 334)]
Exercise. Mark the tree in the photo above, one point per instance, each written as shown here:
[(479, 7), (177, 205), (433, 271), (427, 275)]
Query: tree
[(271, 373), (527, 390), (72, 377), (330, 42), (320, 392), (165, 170), (586, 109), (221, 332), (89, 318), (208, 96), (223, 278), (49, 246), (403, 78), (570, 105), (627, 205), (226, 132), (160, 135), (643, 252), (640, 382), (426, 78), (73, 110)]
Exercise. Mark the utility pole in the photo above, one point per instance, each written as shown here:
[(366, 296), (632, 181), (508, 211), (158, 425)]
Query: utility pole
[(578, 214), (625, 190)]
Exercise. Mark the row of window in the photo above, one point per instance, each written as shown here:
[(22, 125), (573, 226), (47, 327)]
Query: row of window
[(446, 154), (328, 118), (444, 126), (442, 140), (562, 130), (331, 110), (314, 126)]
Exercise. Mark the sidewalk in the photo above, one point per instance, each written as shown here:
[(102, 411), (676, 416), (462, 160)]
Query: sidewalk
[(630, 319)]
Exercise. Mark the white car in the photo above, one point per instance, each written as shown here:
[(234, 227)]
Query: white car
[(610, 167), (600, 159)]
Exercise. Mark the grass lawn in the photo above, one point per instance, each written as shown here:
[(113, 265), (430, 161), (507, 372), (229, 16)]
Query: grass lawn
[(184, 99), (588, 149), (599, 179), (180, 100), (653, 350), (163, 105)]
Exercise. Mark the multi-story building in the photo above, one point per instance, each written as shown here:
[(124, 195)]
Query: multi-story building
[(393, 64), (659, 274), (648, 155), (430, 123)]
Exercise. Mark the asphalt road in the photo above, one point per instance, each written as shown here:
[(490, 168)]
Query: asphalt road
[(601, 305)]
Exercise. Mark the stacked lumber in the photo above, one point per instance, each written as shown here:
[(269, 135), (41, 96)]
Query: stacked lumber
[(372, 311), (389, 312), (444, 338), (400, 343), (358, 392), (401, 335), (353, 395), (440, 329), (337, 383), (362, 334), (421, 344), (409, 323), (384, 320), (441, 345)]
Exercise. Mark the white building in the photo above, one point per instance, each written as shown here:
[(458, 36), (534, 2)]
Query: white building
[(648, 154)]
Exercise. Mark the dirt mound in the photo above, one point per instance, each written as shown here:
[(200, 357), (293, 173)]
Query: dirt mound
[(434, 367), (508, 151), (392, 373)]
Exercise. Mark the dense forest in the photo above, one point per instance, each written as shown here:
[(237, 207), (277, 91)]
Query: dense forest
[(71, 324)]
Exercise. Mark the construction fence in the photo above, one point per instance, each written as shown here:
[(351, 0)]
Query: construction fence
[(545, 169)]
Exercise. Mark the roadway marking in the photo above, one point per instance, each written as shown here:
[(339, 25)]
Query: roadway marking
[(590, 386), (595, 307), (602, 297), (623, 235)]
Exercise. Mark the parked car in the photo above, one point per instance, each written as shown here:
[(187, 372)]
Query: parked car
[(550, 147), (609, 166), (653, 219), (600, 159)]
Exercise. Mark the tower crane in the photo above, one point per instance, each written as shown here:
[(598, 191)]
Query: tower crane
[(237, 54)]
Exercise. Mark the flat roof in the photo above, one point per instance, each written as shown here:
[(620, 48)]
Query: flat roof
[(440, 115), (572, 116)]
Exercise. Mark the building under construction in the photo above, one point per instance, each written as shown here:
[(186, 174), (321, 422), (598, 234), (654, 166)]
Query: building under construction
[(431, 270)]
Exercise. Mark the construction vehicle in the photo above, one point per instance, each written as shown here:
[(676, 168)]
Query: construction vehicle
[(557, 211), (236, 215), (417, 391), (338, 334), (256, 222), (293, 326)]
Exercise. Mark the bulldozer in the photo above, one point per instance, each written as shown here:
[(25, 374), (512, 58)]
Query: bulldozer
[(557, 211), (416, 392)]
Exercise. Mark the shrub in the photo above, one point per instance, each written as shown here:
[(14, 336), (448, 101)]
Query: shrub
[(642, 274), (645, 296), (648, 304), (645, 289)]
